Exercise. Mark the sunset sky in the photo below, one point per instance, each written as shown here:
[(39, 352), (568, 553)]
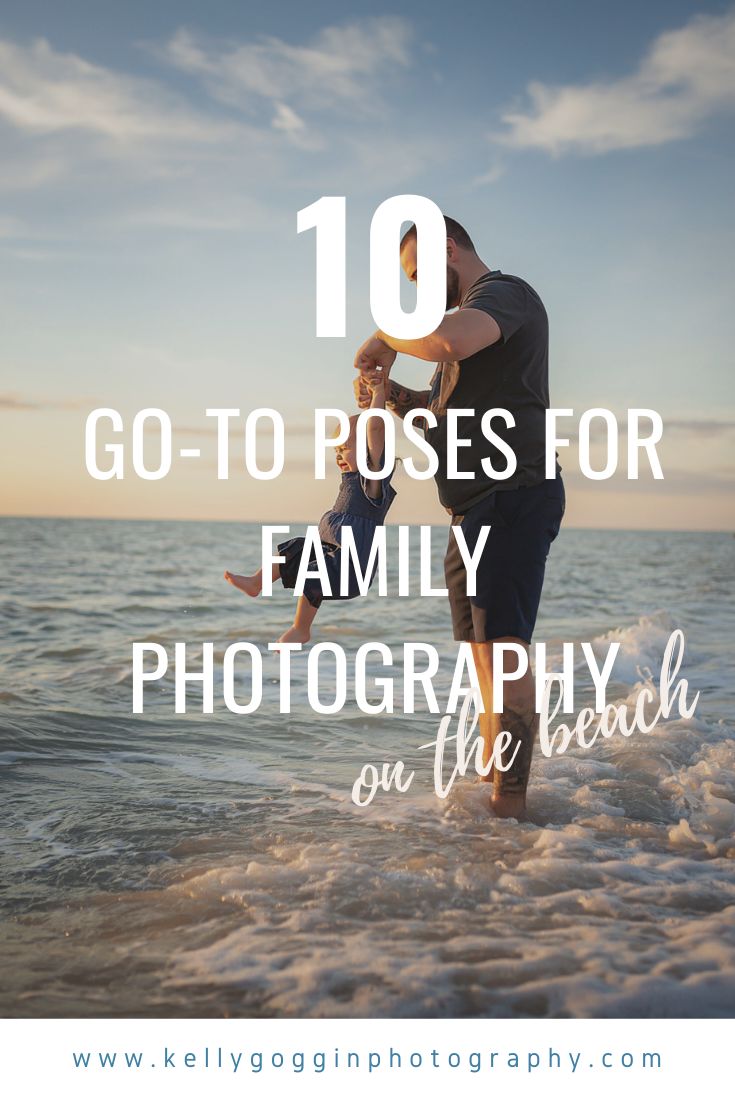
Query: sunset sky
[(154, 158)]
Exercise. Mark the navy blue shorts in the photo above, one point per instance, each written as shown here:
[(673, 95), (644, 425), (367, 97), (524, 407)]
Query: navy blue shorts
[(510, 576)]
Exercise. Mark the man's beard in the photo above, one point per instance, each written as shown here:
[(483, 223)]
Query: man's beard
[(452, 288)]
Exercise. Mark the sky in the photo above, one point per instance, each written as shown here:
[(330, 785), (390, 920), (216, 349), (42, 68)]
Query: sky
[(153, 161)]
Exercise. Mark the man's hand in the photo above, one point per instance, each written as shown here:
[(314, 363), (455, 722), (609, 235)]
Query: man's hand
[(375, 353)]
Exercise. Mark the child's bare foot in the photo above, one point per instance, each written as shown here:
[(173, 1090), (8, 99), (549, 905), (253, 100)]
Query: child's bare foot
[(248, 584), (295, 635)]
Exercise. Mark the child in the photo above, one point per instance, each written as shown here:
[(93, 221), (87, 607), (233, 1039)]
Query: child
[(361, 503)]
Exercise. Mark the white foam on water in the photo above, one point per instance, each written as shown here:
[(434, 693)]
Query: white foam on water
[(642, 645), (489, 917), (617, 898), (246, 880)]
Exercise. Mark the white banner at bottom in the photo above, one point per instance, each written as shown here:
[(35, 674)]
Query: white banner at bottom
[(329, 1059)]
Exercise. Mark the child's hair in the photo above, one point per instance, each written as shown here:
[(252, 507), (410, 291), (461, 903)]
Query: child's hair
[(353, 427)]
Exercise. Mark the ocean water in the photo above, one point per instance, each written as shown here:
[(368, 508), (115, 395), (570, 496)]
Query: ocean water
[(164, 864)]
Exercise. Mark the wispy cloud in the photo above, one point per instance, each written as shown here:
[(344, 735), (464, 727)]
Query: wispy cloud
[(677, 483), (44, 92), (201, 145), (287, 120), (18, 403), (698, 428), (490, 177), (337, 69), (687, 76), (703, 427)]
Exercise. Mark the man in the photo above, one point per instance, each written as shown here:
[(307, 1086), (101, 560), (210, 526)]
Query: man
[(492, 353)]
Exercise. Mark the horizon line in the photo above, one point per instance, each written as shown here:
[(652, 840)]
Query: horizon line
[(261, 523)]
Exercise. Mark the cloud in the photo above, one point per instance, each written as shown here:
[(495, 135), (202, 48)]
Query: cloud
[(490, 177), (687, 76), (339, 68), (121, 151), (677, 482), (704, 427), (286, 119), (202, 147), (18, 403), (45, 92)]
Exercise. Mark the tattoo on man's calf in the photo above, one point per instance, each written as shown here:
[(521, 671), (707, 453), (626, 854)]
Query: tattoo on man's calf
[(523, 728)]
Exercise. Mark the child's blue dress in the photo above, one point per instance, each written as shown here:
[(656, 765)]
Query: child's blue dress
[(354, 508)]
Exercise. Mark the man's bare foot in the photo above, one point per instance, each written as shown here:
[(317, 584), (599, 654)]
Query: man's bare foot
[(295, 635), (249, 584), (508, 807)]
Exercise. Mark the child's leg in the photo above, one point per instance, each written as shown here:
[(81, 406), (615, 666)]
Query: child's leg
[(252, 584), (300, 632)]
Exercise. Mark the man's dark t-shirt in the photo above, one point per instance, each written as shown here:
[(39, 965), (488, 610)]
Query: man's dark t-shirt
[(511, 374)]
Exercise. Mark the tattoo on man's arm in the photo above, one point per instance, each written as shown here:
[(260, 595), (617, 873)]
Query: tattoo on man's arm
[(401, 399)]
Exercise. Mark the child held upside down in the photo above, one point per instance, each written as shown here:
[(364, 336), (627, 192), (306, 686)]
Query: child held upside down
[(362, 503)]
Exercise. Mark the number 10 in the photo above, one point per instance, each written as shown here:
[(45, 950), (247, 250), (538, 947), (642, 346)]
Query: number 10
[(328, 217)]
